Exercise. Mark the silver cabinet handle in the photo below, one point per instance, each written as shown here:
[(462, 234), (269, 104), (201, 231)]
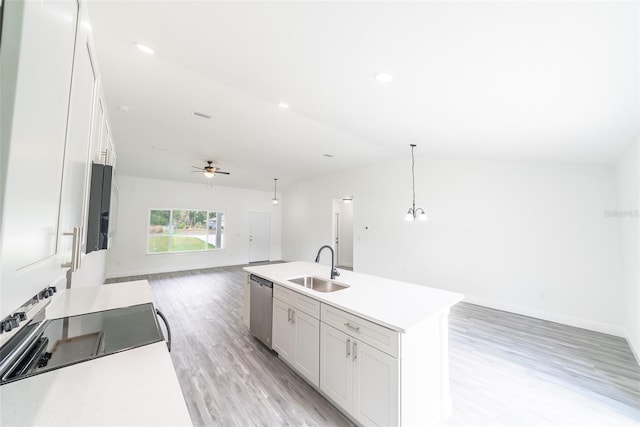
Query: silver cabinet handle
[(348, 347), (78, 247), (289, 315), (355, 350), (293, 316), (353, 328), (75, 249)]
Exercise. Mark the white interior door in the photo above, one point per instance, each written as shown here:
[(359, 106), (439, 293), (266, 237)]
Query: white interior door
[(259, 236), (343, 232)]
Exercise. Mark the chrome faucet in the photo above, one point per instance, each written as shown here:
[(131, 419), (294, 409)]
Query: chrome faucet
[(334, 271)]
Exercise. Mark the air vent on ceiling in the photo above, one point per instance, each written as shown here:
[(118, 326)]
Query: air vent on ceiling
[(202, 115)]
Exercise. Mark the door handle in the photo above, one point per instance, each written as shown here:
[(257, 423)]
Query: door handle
[(348, 347)]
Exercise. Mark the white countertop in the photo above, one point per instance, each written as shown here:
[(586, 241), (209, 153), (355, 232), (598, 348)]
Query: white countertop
[(73, 302), (391, 303), (134, 387)]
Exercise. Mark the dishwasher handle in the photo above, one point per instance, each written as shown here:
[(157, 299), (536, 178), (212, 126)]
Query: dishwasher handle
[(260, 281), (166, 324)]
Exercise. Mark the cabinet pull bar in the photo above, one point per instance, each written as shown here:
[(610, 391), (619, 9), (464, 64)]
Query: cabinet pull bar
[(355, 350), (78, 231), (348, 347), (293, 316), (75, 253), (353, 328), (289, 315)]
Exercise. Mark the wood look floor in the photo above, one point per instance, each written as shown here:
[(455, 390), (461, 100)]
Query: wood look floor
[(505, 369)]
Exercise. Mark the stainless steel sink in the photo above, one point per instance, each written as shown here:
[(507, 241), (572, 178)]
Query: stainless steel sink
[(318, 284)]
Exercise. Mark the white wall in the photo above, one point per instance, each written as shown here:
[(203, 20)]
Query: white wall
[(528, 237), (127, 255), (626, 215)]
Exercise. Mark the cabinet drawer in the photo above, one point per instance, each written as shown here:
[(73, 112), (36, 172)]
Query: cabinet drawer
[(283, 294), (377, 336), (307, 305), (297, 301)]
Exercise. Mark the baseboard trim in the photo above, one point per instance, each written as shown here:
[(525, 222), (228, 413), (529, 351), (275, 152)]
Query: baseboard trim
[(591, 325), (634, 350)]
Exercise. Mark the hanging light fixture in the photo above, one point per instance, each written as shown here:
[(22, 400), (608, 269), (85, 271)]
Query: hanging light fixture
[(275, 200), (414, 212)]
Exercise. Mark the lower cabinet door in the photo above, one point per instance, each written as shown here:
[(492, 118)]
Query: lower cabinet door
[(336, 366), (282, 331), (307, 346), (376, 391)]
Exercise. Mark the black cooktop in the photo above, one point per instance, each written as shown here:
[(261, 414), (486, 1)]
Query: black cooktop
[(47, 344)]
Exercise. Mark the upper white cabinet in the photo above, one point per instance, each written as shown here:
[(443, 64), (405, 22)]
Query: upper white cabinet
[(75, 188), (40, 53), (49, 96)]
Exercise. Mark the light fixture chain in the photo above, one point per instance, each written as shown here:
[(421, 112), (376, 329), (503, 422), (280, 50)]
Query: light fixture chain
[(413, 179)]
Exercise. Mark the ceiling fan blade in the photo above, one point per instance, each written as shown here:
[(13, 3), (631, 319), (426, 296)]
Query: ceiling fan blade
[(223, 173), (196, 167)]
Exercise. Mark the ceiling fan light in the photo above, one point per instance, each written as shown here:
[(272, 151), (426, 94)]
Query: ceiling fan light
[(209, 174)]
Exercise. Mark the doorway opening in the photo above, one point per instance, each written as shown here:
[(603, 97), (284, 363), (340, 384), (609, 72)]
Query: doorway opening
[(342, 231)]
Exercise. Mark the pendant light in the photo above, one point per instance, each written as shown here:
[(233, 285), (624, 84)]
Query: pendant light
[(275, 200), (414, 212)]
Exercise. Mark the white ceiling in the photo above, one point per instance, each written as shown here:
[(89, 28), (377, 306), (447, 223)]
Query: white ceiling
[(527, 80)]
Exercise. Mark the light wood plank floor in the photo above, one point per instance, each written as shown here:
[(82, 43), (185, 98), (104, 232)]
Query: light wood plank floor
[(506, 369)]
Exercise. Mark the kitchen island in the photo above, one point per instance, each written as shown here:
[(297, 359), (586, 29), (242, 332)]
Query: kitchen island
[(378, 348)]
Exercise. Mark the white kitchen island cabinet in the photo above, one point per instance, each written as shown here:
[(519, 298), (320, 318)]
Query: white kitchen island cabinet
[(296, 334), (383, 351)]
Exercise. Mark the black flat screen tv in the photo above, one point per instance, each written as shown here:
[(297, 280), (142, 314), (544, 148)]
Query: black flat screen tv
[(99, 206)]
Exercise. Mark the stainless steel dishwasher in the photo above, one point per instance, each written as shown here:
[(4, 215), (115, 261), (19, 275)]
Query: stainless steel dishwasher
[(261, 302)]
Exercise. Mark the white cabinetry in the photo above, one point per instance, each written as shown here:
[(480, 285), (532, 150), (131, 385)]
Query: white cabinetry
[(361, 379), (48, 128), (37, 58), (296, 331), (75, 182)]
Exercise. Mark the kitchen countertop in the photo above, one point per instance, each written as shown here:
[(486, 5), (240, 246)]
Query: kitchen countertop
[(73, 302), (391, 303), (134, 387)]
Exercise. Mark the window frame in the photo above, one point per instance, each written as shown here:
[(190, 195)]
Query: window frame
[(219, 235)]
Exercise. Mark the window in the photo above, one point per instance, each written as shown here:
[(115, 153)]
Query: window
[(184, 230)]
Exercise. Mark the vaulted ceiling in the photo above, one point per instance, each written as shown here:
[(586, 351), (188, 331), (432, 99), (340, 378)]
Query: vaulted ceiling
[(524, 80)]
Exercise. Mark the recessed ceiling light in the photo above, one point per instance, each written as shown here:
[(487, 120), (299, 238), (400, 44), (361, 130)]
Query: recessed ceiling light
[(124, 108), (202, 115), (383, 77), (145, 49), (327, 155), (283, 105)]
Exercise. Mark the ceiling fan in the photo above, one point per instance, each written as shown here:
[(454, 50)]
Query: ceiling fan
[(209, 170)]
